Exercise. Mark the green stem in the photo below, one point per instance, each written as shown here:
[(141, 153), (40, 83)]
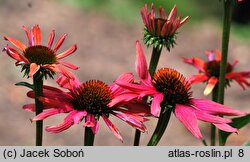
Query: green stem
[(88, 137), (228, 6), (224, 50), (38, 90), (156, 53), (161, 126), (137, 137), (213, 128)]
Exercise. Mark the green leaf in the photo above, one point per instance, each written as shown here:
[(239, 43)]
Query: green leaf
[(25, 84), (238, 123)]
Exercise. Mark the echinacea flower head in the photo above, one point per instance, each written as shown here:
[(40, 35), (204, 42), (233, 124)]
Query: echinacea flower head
[(170, 89), (36, 58), (91, 101), (209, 71), (161, 31)]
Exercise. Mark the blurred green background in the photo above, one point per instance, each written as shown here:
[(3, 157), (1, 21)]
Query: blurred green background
[(198, 10)]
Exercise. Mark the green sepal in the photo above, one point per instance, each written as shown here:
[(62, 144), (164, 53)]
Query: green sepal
[(238, 123), (159, 42), (45, 73), (25, 84)]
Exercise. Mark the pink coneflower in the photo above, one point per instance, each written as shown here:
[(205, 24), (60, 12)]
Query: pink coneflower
[(209, 71), (39, 58), (160, 31), (169, 88), (91, 100)]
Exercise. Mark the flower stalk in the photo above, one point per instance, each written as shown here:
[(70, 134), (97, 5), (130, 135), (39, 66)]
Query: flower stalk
[(156, 53), (161, 126), (38, 90), (228, 6), (89, 137), (213, 128)]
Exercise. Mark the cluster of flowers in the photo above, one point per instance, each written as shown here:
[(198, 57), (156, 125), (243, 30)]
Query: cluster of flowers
[(123, 99)]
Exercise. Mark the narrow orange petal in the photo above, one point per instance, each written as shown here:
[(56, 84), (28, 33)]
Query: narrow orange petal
[(33, 69), (67, 52), (16, 43), (28, 35), (59, 42), (37, 34), (210, 85), (51, 38)]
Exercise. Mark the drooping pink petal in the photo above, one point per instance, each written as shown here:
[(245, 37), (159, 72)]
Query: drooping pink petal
[(236, 75), (241, 81), (53, 89), (140, 89), (28, 35), (122, 98), (15, 54), (78, 116), (112, 127), (66, 53), (69, 65), (16, 43), (131, 121), (67, 83), (197, 78), (204, 116), (51, 38), (215, 108), (138, 107), (48, 113), (33, 69), (196, 62), (59, 42), (226, 128), (37, 34), (156, 104), (141, 64), (29, 107), (68, 122), (61, 127), (56, 103), (210, 85), (92, 123), (187, 116), (58, 69), (96, 126), (52, 92), (126, 77)]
